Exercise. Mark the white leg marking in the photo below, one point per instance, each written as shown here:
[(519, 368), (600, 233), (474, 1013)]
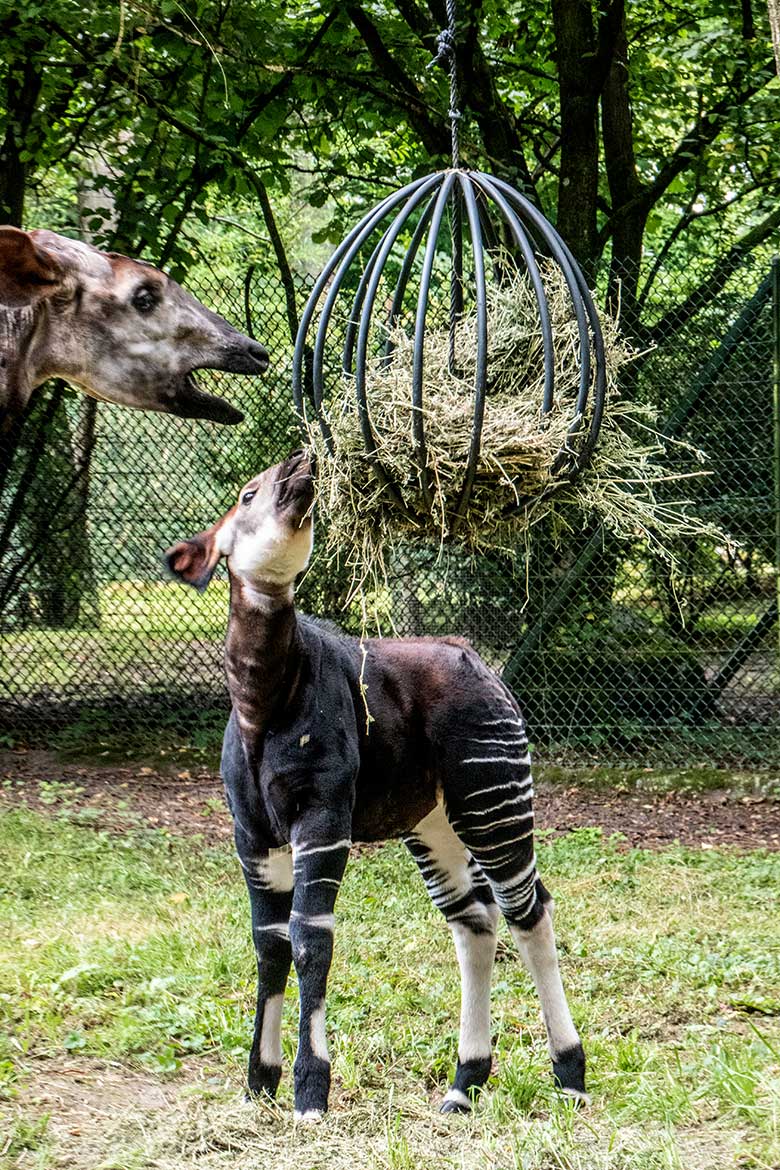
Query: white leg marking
[(305, 850), (476, 953), (310, 1117), (280, 928), (271, 1033), (526, 759), (271, 871), (447, 855), (319, 1042), (319, 921), (458, 1098), (539, 953)]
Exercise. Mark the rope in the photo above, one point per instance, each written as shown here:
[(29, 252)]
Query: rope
[(446, 56)]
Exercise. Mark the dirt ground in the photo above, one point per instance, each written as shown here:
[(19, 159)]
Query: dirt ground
[(189, 802)]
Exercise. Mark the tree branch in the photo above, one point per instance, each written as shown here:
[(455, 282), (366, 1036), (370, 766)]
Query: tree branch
[(433, 135)]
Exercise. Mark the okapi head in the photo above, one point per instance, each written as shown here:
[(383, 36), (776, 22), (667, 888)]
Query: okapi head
[(118, 328), (266, 536)]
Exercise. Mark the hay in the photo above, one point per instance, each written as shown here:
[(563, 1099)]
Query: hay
[(518, 450)]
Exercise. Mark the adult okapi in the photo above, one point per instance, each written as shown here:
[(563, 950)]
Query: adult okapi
[(443, 763), (117, 328)]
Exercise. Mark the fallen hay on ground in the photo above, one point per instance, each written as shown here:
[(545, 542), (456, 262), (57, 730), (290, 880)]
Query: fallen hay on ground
[(514, 488)]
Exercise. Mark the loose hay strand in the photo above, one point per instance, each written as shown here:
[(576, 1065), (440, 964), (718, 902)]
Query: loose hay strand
[(514, 488)]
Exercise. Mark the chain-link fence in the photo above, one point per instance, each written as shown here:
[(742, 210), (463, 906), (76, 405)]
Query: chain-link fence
[(612, 655)]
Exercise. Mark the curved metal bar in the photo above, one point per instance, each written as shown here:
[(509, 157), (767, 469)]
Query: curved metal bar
[(341, 259), (370, 223), (377, 259), (562, 256), (529, 258), (456, 272), (403, 277), (583, 304), (480, 377), (311, 304), (418, 354), (368, 295), (599, 395)]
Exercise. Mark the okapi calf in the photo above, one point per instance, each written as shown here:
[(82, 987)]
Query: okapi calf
[(117, 328), (443, 763)]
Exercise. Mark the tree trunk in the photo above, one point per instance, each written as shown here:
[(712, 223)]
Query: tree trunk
[(629, 211), (21, 98), (579, 90)]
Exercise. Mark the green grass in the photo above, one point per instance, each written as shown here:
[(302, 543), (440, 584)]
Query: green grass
[(136, 950), (139, 620)]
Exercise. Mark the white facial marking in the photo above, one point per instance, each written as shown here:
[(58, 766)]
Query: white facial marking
[(272, 551)]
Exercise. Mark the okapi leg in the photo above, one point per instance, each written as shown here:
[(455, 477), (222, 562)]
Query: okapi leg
[(489, 800), (318, 869), (540, 955), (459, 890), (269, 880)]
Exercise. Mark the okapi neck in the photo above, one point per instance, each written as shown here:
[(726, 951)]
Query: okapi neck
[(262, 654)]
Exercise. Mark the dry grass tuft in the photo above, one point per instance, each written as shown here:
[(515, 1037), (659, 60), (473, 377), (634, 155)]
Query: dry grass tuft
[(514, 488)]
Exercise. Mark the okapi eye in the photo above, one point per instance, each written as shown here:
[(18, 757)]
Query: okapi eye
[(248, 497), (144, 300)]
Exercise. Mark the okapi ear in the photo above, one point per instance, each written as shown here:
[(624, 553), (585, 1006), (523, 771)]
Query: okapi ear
[(28, 273), (195, 560)]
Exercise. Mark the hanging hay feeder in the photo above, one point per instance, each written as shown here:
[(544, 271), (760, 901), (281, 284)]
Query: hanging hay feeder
[(481, 239), (451, 374)]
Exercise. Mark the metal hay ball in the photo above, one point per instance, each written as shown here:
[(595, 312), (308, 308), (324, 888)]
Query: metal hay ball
[(499, 222)]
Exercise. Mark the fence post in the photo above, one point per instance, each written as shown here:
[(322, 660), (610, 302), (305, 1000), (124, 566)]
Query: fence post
[(776, 413)]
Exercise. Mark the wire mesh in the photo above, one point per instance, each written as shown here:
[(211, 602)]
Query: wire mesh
[(634, 666)]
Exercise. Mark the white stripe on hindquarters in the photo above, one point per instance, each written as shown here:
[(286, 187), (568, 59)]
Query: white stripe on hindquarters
[(514, 763), (525, 787), (519, 741)]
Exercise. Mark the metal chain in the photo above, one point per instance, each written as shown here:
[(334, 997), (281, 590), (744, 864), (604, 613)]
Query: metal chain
[(447, 58)]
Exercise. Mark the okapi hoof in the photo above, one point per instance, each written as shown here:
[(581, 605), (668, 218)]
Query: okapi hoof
[(455, 1102), (310, 1117), (263, 1081), (569, 1073), (579, 1099)]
